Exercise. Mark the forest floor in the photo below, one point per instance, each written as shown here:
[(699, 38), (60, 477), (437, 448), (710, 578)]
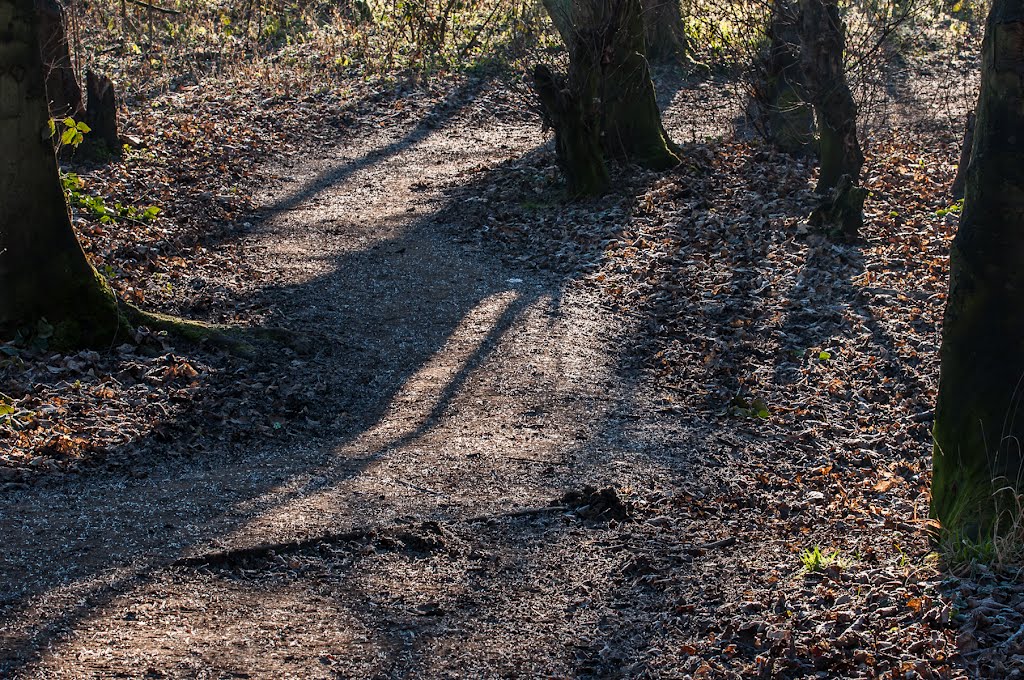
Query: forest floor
[(668, 433)]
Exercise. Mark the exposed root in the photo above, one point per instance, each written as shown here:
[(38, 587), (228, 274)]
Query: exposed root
[(240, 340)]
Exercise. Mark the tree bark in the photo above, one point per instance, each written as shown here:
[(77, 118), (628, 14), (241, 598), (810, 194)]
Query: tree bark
[(841, 215), (822, 49), (62, 88), (101, 116), (780, 90), (979, 423), (43, 271), (631, 127), (823, 43), (577, 135), (956, 190), (664, 32), (608, 89)]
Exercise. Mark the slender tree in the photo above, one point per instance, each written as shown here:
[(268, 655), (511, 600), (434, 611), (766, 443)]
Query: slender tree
[(979, 423), (779, 89), (956, 190), (664, 32), (823, 47), (61, 84)]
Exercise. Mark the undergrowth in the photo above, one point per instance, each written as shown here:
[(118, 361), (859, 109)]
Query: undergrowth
[(310, 41), (999, 550)]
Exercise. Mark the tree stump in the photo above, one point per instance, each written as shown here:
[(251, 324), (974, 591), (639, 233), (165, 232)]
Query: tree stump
[(101, 116)]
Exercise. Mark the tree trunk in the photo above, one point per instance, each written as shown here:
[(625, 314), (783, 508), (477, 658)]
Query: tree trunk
[(608, 90), (979, 425), (956, 190), (823, 42), (43, 271), (822, 48), (62, 88), (780, 90), (101, 116), (631, 125), (841, 215), (577, 135), (664, 32)]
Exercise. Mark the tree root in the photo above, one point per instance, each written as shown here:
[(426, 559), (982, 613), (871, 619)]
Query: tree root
[(239, 340)]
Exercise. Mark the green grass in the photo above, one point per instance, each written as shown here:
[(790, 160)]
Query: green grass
[(814, 559)]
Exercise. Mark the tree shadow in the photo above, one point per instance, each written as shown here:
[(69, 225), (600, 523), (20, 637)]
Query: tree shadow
[(122, 520)]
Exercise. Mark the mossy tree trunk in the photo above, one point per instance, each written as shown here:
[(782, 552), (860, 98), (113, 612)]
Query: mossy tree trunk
[(823, 45), (822, 51), (631, 127), (664, 32), (608, 97), (43, 271), (779, 89), (979, 423)]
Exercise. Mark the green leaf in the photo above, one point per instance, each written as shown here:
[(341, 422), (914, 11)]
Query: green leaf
[(68, 136), (83, 128), (824, 356), (69, 122)]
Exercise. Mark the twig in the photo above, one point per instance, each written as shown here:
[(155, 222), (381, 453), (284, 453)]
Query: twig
[(704, 547), (227, 557), (163, 10), (230, 556)]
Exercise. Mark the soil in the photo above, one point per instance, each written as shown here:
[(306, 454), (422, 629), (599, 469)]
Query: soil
[(499, 476)]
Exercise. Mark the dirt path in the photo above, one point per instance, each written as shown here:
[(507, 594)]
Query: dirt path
[(496, 490), (463, 392)]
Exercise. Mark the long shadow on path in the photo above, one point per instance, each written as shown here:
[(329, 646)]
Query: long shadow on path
[(72, 546)]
